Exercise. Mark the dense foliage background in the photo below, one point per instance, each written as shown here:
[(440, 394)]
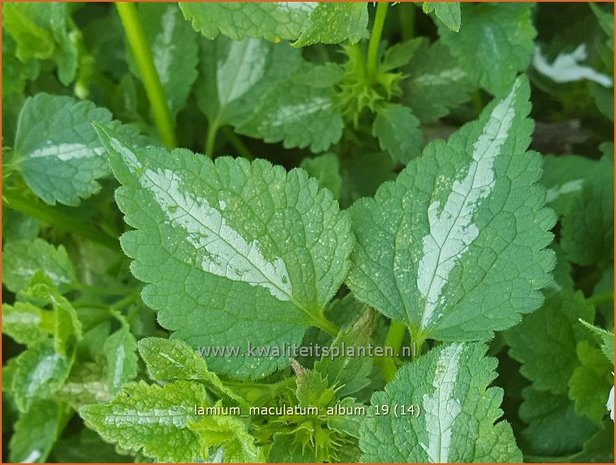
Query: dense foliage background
[(352, 94)]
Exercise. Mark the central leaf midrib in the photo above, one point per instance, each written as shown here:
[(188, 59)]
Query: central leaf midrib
[(291, 297)]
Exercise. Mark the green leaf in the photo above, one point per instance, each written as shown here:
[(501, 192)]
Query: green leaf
[(227, 434), (86, 384), (172, 359), (41, 32), (447, 12), (304, 23), (120, 351), (362, 176), (152, 419), (236, 74), (296, 115), (257, 87), (25, 323), (349, 373), (174, 48), (14, 72), (606, 338), (590, 384), (436, 249), (36, 431), (437, 82), (545, 342), (86, 446), (554, 428), (399, 55), (39, 372), (495, 44), (57, 150), (398, 132), (458, 420), (325, 75), (65, 325), (260, 274), (565, 177), (325, 168), (588, 229), (21, 260), (333, 23), (17, 226)]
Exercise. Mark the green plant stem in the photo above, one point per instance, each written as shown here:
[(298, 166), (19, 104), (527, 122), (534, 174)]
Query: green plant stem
[(393, 339), (407, 21), (375, 38), (210, 138), (601, 298), (477, 101), (241, 148), (58, 219), (151, 81)]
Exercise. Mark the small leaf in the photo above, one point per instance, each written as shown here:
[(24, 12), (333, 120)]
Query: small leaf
[(172, 359), (545, 342), (57, 150), (120, 351), (554, 429), (296, 115), (565, 177), (591, 382), (39, 372), (261, 90), (436, 249), (399, 55), (398, 132), (228, 434), (495, 44), (325, 168), (141, 416), (447, 12), (25, 323), (349, 372), (437, 83), (41, 32), (458, 420), (588, 229), (606, 338), (36, 431), (21, 260), (15, 73)]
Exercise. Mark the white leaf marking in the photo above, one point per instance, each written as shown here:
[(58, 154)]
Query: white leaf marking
[(227, 253), (66, 152), (243, 67), (452, 231), (441, 408), (567, 67)]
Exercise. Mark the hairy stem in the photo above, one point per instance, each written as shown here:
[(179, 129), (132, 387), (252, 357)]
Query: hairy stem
[(375, 37), (323, 323), (151, 81)]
